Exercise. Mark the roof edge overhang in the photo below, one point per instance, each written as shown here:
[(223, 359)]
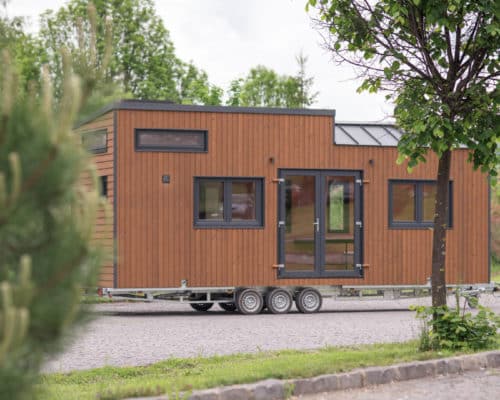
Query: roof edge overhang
[(151, 105)]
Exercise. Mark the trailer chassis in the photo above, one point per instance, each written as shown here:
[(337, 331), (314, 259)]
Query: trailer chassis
[(251, 300)]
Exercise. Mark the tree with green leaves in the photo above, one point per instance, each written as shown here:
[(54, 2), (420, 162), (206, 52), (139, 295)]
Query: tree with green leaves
[(439, 62), (46, 218), (264, 87), (143, 63), (25, 49), (305, 96), (194, 87)]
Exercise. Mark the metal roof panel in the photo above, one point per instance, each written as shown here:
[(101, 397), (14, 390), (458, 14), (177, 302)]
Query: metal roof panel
[(366, 134)]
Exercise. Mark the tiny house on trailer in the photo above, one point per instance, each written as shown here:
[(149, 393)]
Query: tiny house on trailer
[(254, 207)]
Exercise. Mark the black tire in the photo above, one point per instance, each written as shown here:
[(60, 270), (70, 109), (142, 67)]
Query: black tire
[(229, 307), (309, 301), (201, 306), (249, 302), (279, 301)]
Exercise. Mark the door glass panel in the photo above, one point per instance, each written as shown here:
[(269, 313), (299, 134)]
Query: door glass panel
[(339, 223), (299, 223)]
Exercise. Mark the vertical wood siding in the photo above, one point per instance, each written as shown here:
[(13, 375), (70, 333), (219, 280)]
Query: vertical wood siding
[(103, 234), (158, 245)]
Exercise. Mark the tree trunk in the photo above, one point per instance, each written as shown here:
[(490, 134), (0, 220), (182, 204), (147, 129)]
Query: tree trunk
[(438, 279)]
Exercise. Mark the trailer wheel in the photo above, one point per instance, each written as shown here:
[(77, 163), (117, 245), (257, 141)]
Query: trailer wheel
[(279, 301), (229, 307), (249, 301), (309, 301), (201, 306)]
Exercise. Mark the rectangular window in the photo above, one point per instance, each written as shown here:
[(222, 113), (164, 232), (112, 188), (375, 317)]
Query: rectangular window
[(103, 186), (95, 141), (174, 140), (228, 202), (411, 203)]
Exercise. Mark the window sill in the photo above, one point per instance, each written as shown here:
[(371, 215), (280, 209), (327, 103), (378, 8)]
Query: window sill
[(414, 226), (228, 226), (324, 275)]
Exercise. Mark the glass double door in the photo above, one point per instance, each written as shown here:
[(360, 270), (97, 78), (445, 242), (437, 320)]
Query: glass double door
[(320, 224)]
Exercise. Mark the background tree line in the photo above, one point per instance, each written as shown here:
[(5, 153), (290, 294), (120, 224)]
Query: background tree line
[(143, 62)]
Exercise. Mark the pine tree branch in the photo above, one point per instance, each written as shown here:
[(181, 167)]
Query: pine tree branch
[(62, 273)]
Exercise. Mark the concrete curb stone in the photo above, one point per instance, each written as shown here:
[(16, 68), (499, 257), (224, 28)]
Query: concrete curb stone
[(273, 389)]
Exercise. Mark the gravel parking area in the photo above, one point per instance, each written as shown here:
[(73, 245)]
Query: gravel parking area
[(124, 334)]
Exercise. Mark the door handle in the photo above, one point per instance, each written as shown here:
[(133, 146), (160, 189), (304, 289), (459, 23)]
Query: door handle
[(316, 224)]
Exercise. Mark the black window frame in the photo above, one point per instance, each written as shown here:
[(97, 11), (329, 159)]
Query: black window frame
[(171, 149), (227, 222), (96, 150), (418, 223)]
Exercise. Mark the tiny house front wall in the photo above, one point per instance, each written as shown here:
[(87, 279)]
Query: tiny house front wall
[(158, 244)]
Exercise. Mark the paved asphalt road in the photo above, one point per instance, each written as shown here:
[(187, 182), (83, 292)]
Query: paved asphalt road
[(125, 334), (477, 385)]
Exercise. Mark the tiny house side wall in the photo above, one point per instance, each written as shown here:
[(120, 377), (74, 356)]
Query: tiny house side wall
[(158, 246), (103, 234)]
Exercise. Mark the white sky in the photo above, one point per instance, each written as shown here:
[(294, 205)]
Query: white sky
[(228, 37)]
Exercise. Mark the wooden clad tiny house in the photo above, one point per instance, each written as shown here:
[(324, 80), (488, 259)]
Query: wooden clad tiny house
[(248, 197)]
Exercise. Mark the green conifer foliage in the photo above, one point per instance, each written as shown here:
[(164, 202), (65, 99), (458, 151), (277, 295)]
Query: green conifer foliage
[(46, 225)]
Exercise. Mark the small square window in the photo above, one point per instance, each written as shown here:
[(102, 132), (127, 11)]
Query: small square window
[(228, 202), (174, 140), (95, 141), (412, 202)]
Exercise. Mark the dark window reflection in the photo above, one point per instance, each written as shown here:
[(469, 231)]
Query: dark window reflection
[(243, 201), (429, 191), (403, 202), (211, 205), (171, 139)]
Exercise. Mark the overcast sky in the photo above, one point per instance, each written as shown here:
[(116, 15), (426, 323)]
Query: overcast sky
[(228, 37)]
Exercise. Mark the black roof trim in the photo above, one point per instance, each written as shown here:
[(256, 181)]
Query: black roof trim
[(157, 105)]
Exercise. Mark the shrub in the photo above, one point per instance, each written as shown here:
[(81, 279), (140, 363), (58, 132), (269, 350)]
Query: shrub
[(456, 329)]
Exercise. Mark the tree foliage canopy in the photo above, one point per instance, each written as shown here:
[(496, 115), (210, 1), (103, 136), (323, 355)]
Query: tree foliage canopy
[(25, 50), (264, 87), (143, 63), (438, 59)]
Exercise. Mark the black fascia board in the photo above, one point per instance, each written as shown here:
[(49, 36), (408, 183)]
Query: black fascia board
[(155, 105)]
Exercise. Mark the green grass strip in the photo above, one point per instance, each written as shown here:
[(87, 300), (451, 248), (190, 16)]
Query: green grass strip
[(495, 271), (181, 375)]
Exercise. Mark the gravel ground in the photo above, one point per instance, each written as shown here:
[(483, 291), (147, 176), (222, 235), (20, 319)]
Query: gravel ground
[(477, 385), (124, 334)]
